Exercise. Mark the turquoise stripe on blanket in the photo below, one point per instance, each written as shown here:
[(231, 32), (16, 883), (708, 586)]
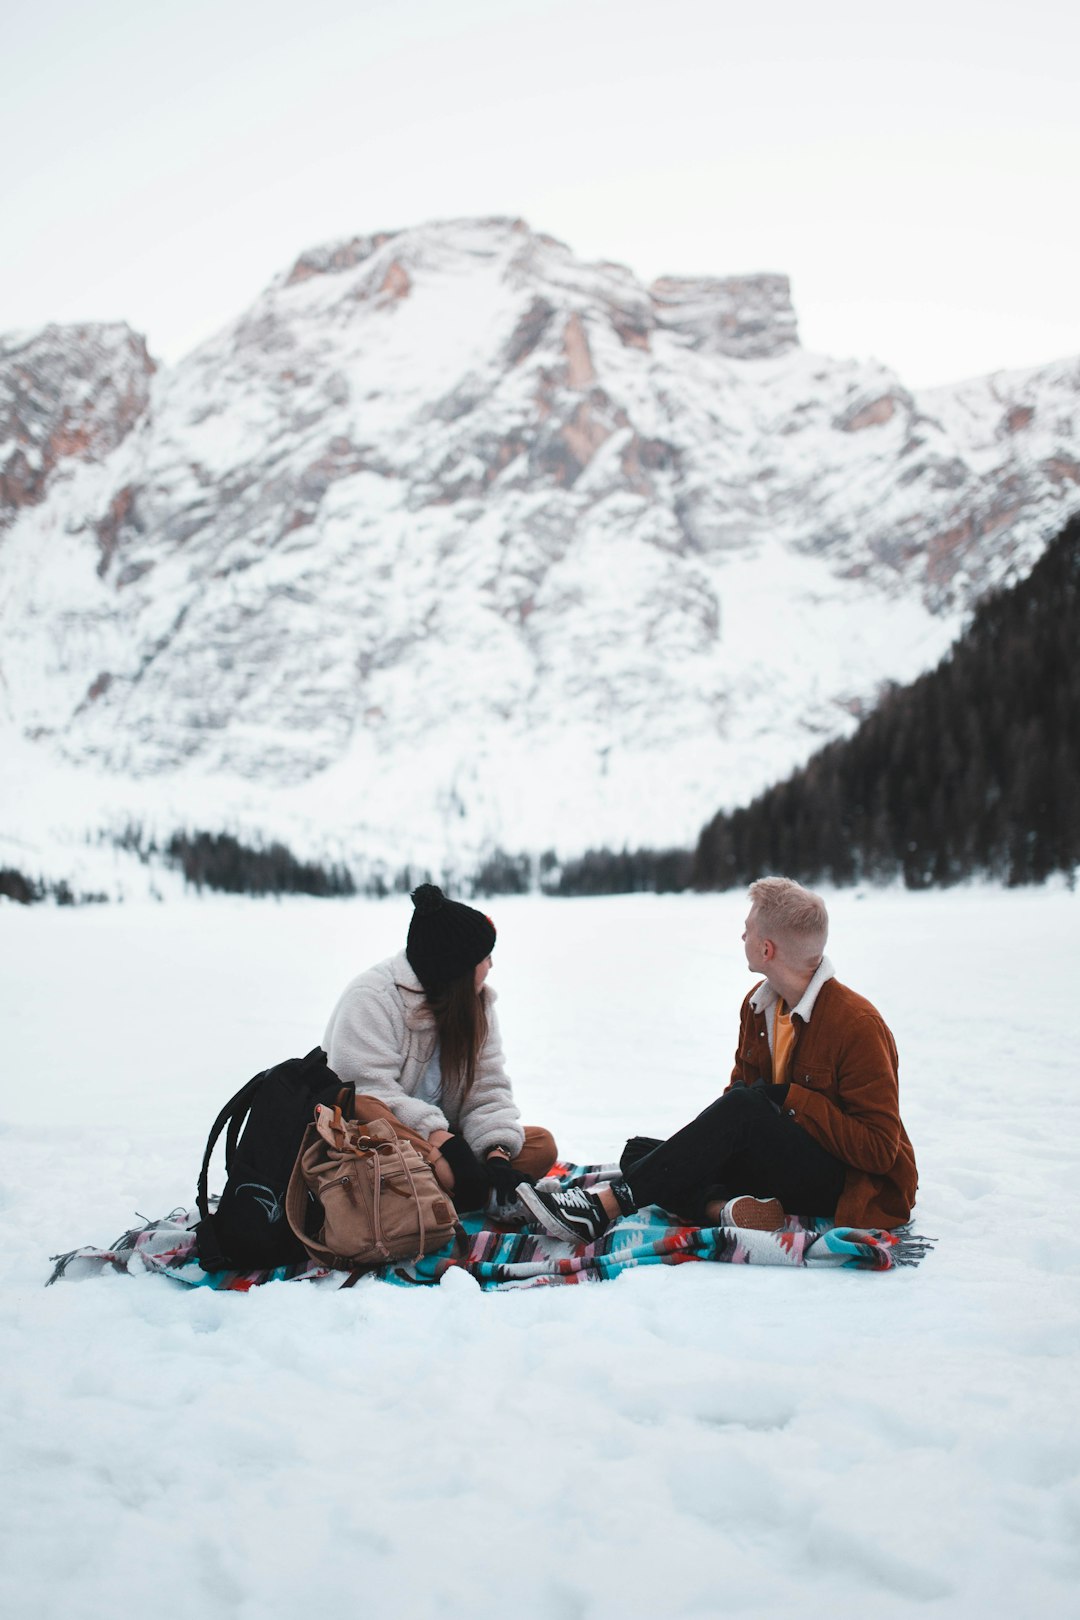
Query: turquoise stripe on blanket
[(503, 1256)]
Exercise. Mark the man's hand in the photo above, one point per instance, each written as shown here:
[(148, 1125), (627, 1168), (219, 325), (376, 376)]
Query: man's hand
[(777, 1093)]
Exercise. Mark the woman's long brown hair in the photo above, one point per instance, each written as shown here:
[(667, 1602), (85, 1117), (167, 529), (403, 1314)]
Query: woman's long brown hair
[(461, 1020)]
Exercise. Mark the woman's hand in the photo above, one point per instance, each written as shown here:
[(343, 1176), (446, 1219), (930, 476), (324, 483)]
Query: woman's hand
[(504, 1178)]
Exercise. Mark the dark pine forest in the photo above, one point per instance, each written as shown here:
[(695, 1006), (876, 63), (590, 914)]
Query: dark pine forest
[(974, 769)]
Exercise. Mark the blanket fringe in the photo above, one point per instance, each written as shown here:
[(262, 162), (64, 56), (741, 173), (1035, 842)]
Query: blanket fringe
[(123, 1251), (911, 1247)]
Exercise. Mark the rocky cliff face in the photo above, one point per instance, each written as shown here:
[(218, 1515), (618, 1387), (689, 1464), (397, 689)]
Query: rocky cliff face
[(67, 392), (452, 539)]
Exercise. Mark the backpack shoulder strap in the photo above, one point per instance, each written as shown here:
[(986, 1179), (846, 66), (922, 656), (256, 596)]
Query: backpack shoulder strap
[(235, 1109)]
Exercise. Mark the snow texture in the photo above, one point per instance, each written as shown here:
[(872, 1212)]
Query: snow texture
[(692, 1443)]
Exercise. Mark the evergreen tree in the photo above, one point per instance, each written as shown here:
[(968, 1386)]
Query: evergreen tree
[(973, 768)]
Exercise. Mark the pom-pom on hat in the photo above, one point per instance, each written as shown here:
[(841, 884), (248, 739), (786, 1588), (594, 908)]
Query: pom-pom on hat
[(446, 938)]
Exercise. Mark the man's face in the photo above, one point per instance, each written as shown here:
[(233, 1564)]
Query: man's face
[(753, 940)]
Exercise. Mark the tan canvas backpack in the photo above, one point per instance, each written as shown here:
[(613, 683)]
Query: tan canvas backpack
[(380, 1199)]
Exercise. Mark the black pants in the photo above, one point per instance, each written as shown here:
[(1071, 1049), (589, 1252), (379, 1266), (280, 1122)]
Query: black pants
[(742, 1143)]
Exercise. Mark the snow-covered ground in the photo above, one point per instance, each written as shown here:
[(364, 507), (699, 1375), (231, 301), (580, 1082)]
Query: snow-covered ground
[(708, 1442)]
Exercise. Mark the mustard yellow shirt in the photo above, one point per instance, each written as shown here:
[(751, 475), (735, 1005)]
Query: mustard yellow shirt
[(783, 1037)]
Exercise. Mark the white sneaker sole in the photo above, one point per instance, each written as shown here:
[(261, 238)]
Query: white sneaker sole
[(748, 1214)]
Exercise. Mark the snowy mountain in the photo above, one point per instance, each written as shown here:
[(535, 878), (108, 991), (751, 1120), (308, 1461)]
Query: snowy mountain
[(453, 541)]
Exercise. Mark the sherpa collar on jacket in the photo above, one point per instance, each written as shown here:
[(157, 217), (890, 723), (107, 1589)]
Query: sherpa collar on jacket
[(764, 998), (418, 1015)]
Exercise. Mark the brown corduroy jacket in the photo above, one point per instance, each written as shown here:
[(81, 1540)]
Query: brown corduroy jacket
[(844, 1091)]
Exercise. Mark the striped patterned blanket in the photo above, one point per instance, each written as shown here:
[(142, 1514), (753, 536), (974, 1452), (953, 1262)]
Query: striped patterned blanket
[(501, 1255)]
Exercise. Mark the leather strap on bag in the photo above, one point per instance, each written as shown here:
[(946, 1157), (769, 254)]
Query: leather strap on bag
[(296, 1196)]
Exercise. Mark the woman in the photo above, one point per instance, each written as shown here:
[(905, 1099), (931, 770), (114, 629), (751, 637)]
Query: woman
[(418, 1037)]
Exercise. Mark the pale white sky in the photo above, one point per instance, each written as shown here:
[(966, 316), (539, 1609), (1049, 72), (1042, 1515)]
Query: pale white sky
[(913, 168)]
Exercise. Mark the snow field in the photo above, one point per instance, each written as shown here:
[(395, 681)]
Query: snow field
[(695, 1441)]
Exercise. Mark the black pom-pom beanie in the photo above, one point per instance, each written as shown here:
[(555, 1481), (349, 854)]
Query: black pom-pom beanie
[(446, 938)]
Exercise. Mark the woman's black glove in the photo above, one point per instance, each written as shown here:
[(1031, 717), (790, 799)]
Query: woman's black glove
[(777, 1094), (504, 1178), (461, 1159), (470, 1188)]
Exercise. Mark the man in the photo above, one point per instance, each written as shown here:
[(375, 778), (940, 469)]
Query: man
[(809, 1123)]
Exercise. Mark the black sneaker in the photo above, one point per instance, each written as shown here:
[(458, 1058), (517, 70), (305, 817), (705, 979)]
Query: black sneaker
[(570, 1213)]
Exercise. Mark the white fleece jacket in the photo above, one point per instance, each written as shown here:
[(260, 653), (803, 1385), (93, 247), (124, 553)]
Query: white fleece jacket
[(381, 1036)]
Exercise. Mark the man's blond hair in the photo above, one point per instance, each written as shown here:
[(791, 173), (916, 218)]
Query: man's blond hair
[(795, 917)]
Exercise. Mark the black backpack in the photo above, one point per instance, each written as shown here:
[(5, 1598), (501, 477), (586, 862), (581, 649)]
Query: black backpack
[(248, 1230)]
